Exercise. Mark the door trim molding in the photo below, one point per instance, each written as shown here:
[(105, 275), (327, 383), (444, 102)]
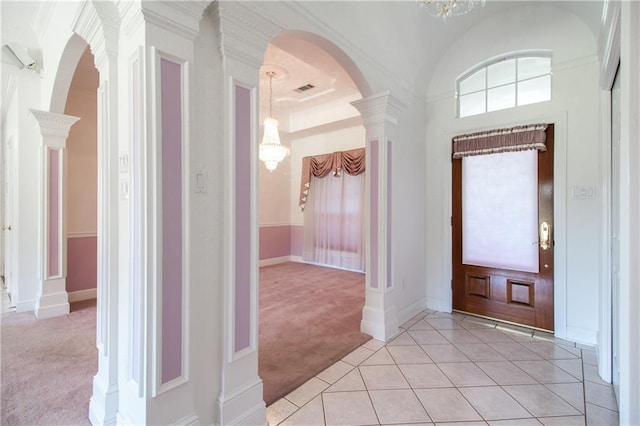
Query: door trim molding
[(604, 338)]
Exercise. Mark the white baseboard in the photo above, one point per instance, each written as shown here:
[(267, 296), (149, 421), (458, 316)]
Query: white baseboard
[(77, 296), (103, 405), (439, 305), (412, 310), (246, 407), (26, 306), (282, 259), (581, 335), (381, 325), (43, 312), (191, 419), (274, 261)]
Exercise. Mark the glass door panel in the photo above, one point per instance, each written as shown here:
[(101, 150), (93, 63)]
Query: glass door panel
[(500, 211)]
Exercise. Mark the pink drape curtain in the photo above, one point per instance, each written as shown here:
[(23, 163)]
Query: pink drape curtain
[(351, 162), (333, 204), (519, 138)]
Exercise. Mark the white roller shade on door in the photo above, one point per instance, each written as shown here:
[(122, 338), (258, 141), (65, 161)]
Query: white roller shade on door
[(500, 211)]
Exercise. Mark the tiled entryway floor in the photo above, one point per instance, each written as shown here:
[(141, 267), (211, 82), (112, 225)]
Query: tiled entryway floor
[(455, 369)]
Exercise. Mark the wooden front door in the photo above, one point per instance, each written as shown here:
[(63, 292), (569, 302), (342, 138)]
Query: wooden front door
[(504, 284)]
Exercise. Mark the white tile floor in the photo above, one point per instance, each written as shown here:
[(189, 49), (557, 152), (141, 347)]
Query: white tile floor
[(456, 370)]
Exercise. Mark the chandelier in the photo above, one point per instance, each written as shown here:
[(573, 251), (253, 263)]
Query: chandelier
[(270, 150), (445, 8)]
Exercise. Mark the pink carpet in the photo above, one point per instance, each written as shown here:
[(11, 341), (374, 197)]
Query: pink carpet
[(48, 367), (309, 319)]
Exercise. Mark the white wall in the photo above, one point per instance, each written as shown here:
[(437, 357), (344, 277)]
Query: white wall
[(575, 110), (408, 213)]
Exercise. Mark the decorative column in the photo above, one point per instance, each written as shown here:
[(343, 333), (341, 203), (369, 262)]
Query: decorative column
[(380, 118), (53, 299), (156, 373), (244, 36), (98, 24)]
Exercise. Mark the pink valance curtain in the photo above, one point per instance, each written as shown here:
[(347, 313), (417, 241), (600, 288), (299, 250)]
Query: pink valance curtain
[(520, 138), (352, 162)]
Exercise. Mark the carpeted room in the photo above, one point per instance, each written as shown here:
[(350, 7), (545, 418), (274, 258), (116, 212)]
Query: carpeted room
[(309, 319)]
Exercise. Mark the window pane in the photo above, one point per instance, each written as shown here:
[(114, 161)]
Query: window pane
[(535, 90), (533, 67), (500, 210), (472, 104), (502, 73), (501, 97), (474, 82)]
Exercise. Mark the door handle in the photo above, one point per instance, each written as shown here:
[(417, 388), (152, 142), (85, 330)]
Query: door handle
[(545, 236), (6, 228)]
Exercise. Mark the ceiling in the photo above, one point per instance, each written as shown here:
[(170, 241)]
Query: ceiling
[(298, 63), (306, 77)]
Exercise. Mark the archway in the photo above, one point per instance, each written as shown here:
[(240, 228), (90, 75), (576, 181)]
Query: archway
[(310, 95), (96, 28), (81, 182)]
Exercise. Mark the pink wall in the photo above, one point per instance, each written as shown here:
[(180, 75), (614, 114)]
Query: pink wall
[(280, 241), (275, 241), (389, 221), (373, 206), (243, 218), (171, 110), (54, 212), (82, 263)]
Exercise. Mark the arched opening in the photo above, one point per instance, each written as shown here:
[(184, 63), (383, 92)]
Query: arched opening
[(310, 309), (81, 185)]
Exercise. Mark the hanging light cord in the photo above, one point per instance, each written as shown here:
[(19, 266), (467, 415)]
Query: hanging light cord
[(270, 74)]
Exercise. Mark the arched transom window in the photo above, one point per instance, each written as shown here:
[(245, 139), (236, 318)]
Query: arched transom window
[(507, 82)]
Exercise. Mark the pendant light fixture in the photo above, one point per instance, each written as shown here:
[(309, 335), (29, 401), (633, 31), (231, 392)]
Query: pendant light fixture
[(271, 151)]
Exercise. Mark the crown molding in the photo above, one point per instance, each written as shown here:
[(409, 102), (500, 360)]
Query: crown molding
[(131, 17), (177, 17), (244, 33)]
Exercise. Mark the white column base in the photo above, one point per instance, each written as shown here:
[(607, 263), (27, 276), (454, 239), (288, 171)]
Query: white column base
[(54, 300), (191, 419), (26, 306), (103, 405), (379, 324), (246, 407)]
